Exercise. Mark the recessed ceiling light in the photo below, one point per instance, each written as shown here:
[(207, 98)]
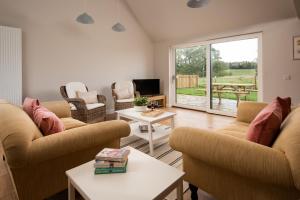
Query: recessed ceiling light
[(197, 3)]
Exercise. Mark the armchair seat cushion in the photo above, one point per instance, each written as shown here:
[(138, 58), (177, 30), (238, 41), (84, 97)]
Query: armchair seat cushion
[(71, 123), (90, 106), (125, 100)]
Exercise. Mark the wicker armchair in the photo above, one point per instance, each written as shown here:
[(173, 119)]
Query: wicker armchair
[(88, 113), (123, 103)]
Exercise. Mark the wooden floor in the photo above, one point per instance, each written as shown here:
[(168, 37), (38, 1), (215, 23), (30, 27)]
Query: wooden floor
[(183, 118)]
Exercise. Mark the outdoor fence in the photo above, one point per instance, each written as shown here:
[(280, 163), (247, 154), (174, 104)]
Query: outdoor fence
[(187, 81)]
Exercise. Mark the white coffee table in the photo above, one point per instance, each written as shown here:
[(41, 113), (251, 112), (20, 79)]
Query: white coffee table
[(161, 131), (146, 178)]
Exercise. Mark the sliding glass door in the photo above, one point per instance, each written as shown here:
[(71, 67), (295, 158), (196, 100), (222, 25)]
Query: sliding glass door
[(233, 74), (216, 75), (190, 77)]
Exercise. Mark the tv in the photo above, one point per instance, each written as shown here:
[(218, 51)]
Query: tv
[(147, 87)]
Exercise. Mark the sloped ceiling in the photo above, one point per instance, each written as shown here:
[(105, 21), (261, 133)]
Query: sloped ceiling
[(172, 19)]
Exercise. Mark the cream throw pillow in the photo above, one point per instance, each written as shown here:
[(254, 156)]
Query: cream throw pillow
[(88, 97), (123, 94)]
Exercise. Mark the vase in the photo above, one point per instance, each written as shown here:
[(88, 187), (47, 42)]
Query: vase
[(140, 108)]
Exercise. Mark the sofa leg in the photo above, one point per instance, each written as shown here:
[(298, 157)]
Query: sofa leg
[(194, 189)]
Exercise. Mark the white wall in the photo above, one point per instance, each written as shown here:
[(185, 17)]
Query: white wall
[(277, 58), (57, 49)]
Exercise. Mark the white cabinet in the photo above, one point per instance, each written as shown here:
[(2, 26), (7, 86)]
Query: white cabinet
[(11, 64)]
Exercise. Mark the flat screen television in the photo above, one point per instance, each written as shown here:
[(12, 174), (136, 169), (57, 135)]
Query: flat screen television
[(147, 87)]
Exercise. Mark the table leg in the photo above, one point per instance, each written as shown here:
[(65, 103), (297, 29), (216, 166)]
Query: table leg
[(150, 139), (237, 100), (172, 123), (180, 190), (71, 191), (219, 96), (118, 116)]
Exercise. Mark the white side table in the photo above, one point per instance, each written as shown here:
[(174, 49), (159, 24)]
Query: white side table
[(146, 178)]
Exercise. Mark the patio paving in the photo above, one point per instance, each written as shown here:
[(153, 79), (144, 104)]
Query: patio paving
[(226, 105)]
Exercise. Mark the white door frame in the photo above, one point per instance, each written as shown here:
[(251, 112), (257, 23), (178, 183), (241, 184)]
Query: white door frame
[(208, 43)]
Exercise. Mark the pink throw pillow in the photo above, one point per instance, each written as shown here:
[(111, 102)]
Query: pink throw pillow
[(47, 121), (265, 127), (285, 104), (29, 104)]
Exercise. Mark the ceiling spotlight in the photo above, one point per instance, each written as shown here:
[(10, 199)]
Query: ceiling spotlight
[(197, 3), (118, 27), (84, 18)]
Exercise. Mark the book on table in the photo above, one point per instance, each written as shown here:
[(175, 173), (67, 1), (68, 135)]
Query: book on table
[(111, 161), (144, 128), (108, 164), (110, 170), (108, 154)]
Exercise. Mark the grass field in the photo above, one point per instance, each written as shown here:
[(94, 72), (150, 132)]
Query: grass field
[(237, 76)]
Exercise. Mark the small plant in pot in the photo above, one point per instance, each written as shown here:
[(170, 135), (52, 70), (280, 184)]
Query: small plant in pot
[(140, 104)]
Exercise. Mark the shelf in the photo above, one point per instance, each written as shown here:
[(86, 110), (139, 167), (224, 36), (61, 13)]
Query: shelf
[(160, 131)]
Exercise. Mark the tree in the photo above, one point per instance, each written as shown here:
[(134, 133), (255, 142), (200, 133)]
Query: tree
[(192, 61), (220, 68)]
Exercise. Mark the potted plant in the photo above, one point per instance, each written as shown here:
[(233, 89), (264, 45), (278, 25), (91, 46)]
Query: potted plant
[(140, 104)]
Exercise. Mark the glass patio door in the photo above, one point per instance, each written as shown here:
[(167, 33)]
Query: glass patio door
[(233, 74), (214, 76), (190, 77)]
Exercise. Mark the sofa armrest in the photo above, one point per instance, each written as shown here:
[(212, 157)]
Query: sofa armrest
[(60, 108), (75, 140), (242, 157), (248, 110)]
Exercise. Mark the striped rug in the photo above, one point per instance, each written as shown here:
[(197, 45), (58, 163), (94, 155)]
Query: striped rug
[(162, 152)]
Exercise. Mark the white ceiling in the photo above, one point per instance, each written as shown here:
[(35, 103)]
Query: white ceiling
[(172, 19)]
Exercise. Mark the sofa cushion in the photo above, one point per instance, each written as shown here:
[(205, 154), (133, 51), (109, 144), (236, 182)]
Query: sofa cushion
[(73, 87), (29, 104), (60, 108), (88, 97), (265, 127), (236, 129), (47, 121), (70, 123)]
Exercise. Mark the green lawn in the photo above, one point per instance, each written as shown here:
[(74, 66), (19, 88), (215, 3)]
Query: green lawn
[(238, 76)]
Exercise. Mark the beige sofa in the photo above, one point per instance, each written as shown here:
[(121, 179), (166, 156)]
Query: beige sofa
[(37, 163), (226, 165)]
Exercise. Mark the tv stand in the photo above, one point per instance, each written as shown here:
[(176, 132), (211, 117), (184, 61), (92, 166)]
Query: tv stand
[(162, 99)]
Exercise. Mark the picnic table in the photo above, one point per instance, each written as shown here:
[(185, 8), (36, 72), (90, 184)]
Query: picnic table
[(239, 89)]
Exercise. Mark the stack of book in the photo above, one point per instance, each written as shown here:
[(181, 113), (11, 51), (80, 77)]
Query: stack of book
[(110, 161)]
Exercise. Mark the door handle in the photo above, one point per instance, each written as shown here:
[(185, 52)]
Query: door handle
[(173, 78)]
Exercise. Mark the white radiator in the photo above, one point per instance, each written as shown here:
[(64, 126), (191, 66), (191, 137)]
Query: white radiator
[(11, 64)]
